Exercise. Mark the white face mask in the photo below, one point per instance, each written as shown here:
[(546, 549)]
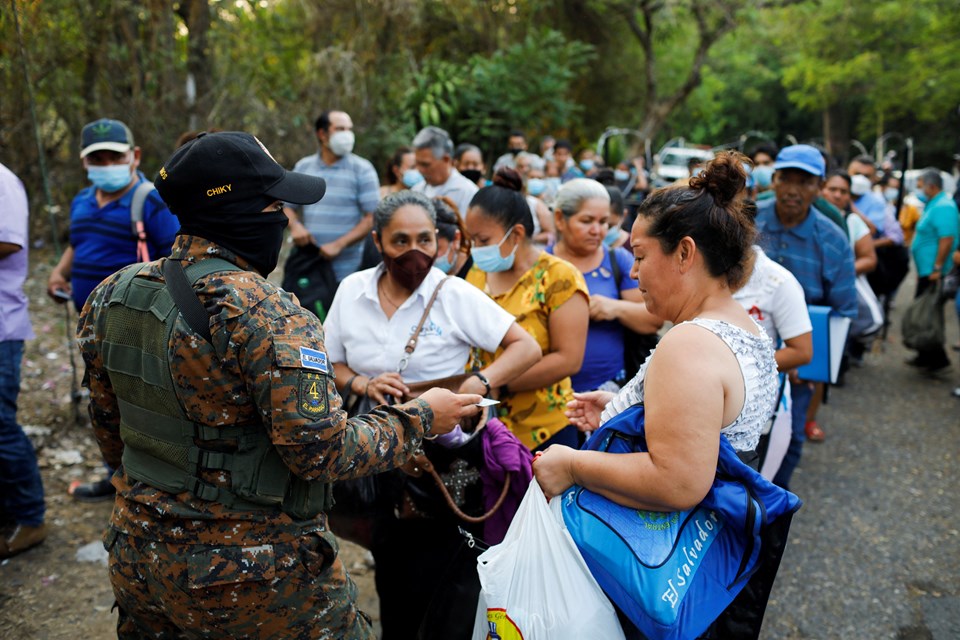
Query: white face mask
[(341, 143)]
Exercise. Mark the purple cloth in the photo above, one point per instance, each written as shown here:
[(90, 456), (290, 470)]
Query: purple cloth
[(14, 320), (503, 453)]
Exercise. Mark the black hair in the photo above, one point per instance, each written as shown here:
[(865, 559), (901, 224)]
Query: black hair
[(768, 149), (865, 159), (616, 200), (606, 177), (323, 121), (464, 147), (449, 222), (563, 144), (516, 133), (395, 161), (840, 173), (504, 202), (709, 211)]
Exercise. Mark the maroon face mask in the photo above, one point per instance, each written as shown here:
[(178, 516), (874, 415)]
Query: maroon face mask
[(410, 268)]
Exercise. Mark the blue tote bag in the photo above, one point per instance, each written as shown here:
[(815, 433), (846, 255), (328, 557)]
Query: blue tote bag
[(674, 574)]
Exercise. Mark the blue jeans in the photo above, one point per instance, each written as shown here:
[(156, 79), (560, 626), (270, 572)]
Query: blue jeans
[(21, 489), (801, 395)]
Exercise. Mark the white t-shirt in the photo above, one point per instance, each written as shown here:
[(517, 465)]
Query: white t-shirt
[(775, 300), (358, 333), (856, 228)]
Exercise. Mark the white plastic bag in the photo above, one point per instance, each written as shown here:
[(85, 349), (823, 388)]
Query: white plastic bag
[(535, 584)]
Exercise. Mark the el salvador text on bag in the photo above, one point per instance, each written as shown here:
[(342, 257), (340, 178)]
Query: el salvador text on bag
[(673, 574)]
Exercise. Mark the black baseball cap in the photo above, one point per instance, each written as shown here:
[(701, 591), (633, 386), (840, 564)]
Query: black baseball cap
[(105, 133), (225, 171)]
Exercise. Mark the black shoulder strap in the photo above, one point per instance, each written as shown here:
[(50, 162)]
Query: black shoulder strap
[(186, 298), (615, 268)]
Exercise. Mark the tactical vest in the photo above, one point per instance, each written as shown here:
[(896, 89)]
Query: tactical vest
[(162, 446)]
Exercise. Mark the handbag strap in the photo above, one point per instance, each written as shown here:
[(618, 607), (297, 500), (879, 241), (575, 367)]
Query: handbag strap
[(415, 336), (419, 463)]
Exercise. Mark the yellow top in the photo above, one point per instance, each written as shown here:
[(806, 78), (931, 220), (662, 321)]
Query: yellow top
[(534, 416)]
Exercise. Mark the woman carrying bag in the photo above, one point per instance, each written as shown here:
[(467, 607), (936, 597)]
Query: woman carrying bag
[(377, 315)]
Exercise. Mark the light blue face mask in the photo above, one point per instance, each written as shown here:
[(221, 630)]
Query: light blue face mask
[(411, 178), (489, 260), (611, 236), (921, 196), (536, 186), (109, 178), (620, 175), (443, 262), (553, 183), (586, 165), (891, 193)]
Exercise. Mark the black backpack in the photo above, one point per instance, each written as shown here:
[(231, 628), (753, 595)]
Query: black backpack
[(309, 275), (636, 346)]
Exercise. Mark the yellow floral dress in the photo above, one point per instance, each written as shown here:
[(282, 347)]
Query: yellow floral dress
[(534, 416)]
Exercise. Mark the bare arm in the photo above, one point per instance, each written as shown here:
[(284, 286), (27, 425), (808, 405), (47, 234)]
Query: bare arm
[(568, 337), (865, 255), (355, 235), (630, 311), (520, 352), (795, 352), (690, 391), (298, 233), (943, 250), (59, 279)]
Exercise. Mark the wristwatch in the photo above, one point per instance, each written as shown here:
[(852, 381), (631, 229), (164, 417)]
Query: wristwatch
[(484, 380)]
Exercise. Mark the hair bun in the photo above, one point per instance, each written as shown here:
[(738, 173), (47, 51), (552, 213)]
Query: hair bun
[(508, 179), (723, 177)]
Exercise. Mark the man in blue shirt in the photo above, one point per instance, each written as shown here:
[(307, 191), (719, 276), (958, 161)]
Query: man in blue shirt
[(870, 204), (101, 236), (793, 233), (340, 222), (934, 242)]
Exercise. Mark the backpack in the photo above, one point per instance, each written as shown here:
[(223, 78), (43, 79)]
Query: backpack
[(673, 574), (309, 276), (636, 346)]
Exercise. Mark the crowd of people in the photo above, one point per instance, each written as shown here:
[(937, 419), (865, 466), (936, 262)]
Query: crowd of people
[(227, 414)]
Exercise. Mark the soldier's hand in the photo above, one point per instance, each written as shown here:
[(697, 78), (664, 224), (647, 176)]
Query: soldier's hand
[(450, 408)]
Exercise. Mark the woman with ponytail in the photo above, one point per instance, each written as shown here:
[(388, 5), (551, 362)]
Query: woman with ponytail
[(712, 373), (548, 297)]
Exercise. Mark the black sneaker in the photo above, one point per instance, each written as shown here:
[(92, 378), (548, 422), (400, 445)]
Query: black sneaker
[(937, 366), (93, 491)]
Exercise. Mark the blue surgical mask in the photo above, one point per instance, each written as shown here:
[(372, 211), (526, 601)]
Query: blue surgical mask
[(443, 262), (890, 193), (489, 260), (411, 178), (922, 197), (621, 176), (536, 186), (586, 165), (611, 236), (109, 178)]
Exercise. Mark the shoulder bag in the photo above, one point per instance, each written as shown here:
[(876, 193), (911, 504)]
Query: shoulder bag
[(673, 574)]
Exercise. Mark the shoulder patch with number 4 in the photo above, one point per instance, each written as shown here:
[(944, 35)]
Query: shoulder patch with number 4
[(312, 399)]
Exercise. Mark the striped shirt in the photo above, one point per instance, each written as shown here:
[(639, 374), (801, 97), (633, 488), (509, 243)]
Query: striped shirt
[(353, 190), (816, 252)]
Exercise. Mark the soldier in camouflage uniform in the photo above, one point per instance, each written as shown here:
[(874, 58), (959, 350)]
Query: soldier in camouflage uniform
[(224, 435)]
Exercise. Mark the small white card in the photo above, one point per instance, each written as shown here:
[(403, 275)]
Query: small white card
[(487, 402)]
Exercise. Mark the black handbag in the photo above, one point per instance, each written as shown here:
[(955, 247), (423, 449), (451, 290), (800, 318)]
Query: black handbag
[(309, 275)]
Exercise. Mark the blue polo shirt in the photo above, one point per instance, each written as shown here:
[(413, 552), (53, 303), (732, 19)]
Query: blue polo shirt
[(103, 241), (938, 220), (816, 252), (353, 190)]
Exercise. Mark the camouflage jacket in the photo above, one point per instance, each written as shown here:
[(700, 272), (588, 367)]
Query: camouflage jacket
[(252, 371)]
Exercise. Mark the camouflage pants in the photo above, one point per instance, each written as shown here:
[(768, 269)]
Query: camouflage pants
[(296, 590)]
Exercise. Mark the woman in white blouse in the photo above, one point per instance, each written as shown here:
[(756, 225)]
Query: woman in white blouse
[(370, 322)]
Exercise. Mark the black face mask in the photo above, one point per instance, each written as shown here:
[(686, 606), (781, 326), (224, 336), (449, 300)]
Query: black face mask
[(256, 236), (473, 175)]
